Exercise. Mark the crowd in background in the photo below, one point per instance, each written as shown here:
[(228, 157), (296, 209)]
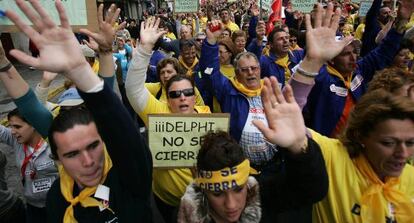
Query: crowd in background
[(321, 111)]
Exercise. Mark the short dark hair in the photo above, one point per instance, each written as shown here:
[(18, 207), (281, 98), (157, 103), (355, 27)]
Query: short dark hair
[(186, 43), (220, 147), (67, 120), (178, 77), (15, 112), (272, 34)]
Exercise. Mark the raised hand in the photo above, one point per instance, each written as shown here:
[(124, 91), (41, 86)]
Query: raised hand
[(261, 30), (286, 126), (106, 34), (58, 47), (321, 44), (212, 35), (150, 33), (254, 10), (59, 50)]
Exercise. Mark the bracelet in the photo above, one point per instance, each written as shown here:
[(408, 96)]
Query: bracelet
[(6, 67), (305, 73)]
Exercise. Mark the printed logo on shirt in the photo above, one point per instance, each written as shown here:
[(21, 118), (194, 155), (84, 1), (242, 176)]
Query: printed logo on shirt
[(114, 220), (340, 91), (45, 165), (40, 185), (356, 209), (356, 82), (390, 220)]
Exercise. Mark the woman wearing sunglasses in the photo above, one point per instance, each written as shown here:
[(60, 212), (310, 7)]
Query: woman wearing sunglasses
[(166, 69), (168, 185)]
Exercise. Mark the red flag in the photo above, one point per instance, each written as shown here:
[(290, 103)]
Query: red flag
[(275, 15)]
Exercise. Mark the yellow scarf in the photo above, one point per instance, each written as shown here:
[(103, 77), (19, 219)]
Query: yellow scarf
[(372, 204), (66, 187), (283, 62), (188, 68), (249, 93), (334, 72), (228, 71)]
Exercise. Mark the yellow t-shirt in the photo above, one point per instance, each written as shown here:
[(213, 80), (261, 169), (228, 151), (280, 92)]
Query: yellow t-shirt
[(168, 185), (346, 184), (153, 88)]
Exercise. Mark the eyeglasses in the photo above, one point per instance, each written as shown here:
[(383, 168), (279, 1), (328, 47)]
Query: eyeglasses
[(247, 69), (199, 40), (176, 94), (293, 40)]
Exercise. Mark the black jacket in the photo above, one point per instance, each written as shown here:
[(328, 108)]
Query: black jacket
[(129, 179)]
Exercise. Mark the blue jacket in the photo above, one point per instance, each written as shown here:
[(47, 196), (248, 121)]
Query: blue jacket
[(230, 99), (326, 101), (270, 68), (372, 28)]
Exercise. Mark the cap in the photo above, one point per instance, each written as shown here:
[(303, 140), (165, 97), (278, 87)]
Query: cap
[(70, 97)]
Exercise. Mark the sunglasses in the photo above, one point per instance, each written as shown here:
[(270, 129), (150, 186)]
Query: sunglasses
[(176, 94)]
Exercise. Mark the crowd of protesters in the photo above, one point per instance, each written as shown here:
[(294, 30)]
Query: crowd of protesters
[(321, 115)]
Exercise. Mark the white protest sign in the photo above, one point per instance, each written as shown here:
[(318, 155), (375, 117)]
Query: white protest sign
[(305, 6), (364, 7), (181, 6)]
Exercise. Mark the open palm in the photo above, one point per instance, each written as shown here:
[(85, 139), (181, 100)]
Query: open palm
[(320, 38), (55, 43), (286, 127)]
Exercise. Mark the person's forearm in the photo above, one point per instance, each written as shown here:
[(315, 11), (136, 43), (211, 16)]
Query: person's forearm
[(83, 77), (15, 85), (106, 64), (136, 92), (34, 112)]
